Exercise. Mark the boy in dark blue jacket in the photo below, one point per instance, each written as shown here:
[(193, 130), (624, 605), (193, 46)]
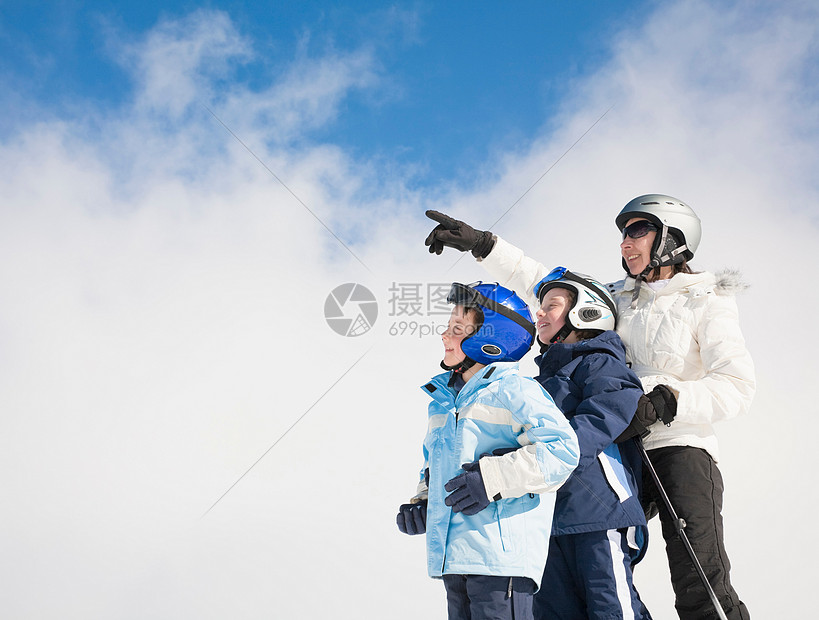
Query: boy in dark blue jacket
[(598, 529)]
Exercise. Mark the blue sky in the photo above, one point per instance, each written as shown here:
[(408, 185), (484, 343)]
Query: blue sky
[(174, 184), (456, 79)]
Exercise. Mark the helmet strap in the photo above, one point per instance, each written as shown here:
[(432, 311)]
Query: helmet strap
[(560, 336), (657, 260), (460, 367), (638, 280), (671, 257), (563, 333), (668, 258)]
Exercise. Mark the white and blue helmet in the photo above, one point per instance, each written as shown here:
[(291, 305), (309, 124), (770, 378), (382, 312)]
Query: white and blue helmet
[(594, 308)]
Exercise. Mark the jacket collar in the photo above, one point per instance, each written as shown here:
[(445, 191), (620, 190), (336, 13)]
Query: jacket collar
[(679, 282), (438, 389), (560, 354)]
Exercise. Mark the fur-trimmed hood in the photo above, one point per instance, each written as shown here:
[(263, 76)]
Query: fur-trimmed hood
[(725, 283), (730, 282)]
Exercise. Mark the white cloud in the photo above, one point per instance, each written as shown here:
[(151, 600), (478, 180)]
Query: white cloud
[(161, 315), (180, 57), (306, 97)]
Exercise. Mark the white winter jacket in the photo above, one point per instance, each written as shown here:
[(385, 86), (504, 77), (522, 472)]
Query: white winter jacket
[(685, 335)]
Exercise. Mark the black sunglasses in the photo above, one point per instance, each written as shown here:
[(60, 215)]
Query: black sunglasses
[(638, 229)]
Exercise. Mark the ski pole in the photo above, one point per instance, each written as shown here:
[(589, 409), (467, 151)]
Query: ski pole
[(679, 525)]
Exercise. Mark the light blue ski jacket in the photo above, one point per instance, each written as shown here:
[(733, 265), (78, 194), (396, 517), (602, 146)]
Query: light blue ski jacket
[(496, 409)]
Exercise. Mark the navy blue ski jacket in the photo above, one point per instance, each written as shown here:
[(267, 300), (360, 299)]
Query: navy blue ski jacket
[(598, 393)]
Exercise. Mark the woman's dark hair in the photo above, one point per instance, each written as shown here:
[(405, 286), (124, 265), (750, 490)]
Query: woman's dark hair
[(682, 267)]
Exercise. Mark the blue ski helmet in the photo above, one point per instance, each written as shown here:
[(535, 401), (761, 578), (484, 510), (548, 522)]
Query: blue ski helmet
[(507, 331)]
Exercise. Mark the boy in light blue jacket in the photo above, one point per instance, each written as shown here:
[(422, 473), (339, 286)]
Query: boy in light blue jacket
[(496, 450), (599, 529)]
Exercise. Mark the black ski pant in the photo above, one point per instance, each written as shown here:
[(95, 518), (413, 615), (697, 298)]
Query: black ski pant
[(694, 485)]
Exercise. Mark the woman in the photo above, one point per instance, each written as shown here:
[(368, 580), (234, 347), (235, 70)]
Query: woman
[(683, 341)]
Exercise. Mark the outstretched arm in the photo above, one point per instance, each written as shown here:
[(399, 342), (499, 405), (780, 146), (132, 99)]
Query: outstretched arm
[(504, 262), (513, 269)]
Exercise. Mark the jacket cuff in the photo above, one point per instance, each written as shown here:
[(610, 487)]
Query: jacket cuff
[(421, 493), (501, 255), (492, 478)]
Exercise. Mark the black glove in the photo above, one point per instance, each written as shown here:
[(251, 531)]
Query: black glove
[(453, 233), (664, 403), (658, 404), (412, 518), (502, 451), (467, 493)]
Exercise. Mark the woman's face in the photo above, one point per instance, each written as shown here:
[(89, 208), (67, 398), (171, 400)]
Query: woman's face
[(637, 252)]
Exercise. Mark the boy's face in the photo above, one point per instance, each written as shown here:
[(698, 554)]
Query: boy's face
[(461, 325), (637, 252), (551, 317)]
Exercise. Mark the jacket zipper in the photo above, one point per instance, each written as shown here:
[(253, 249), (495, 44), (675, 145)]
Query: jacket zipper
[(446, 541)]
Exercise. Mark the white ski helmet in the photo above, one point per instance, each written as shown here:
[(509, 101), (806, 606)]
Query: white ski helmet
[(678, 226), (594, 307)]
